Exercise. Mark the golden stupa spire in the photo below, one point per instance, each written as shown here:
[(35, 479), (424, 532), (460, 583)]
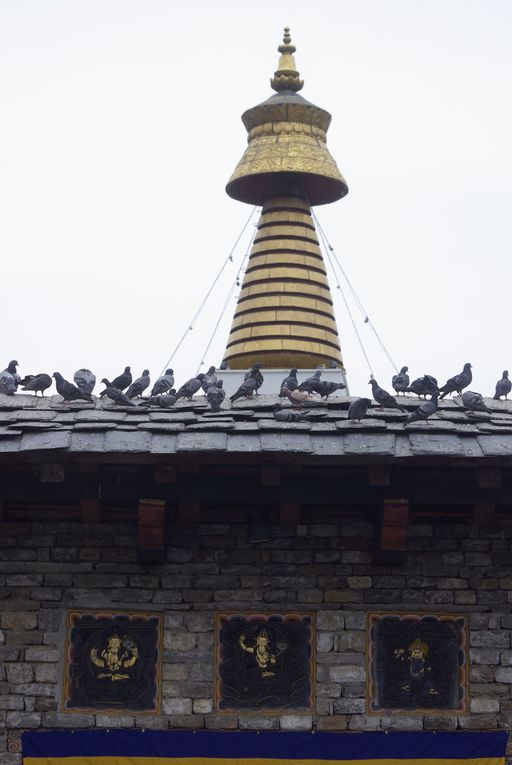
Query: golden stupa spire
[(284, 316)]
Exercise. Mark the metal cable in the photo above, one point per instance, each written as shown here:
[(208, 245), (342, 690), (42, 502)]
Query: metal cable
[(235, 284), (197, 313), (339, 287), (361, 307)]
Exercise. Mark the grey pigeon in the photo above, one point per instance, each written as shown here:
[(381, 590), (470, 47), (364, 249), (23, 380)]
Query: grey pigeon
[(254, 374), (188, 389), (215, 395), (247, 389), (384, 398), (164, 400), (292, 415), (309, 384), (68, 391), (121, 382), (11, 370), (139, 385), (40, 382), (400, 381), (290, 382), (325, 388), (457, 383), (164, 383), (85, 380), (358, 408), (503, 386), (118, 397), (425, 410), (423, 385), (209, 379), (474, 402), (8, 383)]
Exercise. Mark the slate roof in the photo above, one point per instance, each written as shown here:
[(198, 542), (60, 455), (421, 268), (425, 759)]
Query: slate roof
[(29, 424)]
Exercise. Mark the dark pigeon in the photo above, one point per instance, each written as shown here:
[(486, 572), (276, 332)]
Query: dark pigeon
[(164, 383), (215, 395), (358, 408), (425, 410), (247, 389), (254, 374), (474, 402), (400, 381), (310, 383), (138, 386), (164, 400), (325, 388), (290, 382), (292, 415), (209, 379), (457, 383), (40, 382), (423, 385), (68, 391), (503, 386), (384, 398), (118, 397), (85, 380), (188, 389), (121, 382)]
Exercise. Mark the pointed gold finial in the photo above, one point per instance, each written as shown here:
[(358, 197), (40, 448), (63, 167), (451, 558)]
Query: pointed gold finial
[(286, 76)]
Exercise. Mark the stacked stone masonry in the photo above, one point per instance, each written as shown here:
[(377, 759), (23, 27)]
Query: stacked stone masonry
[(47, 567)]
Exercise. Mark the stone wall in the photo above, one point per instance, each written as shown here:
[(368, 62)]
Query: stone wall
[(327, 568)]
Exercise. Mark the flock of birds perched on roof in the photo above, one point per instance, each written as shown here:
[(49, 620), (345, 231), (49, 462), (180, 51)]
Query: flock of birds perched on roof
[(122, 391)]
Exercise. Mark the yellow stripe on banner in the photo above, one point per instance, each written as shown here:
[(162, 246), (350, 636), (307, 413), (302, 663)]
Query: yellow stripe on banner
[(252, 761)]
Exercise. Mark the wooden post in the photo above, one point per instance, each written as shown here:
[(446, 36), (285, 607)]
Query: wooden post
[(151, 531), (391, 536)]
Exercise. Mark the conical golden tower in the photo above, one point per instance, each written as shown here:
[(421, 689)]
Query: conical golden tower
[(284, 316)]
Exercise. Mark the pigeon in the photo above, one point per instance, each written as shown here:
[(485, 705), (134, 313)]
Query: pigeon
[(423, 385), (39, 382), (164, 400), (358, 408), (400, 381), (188, 389), (8, 383), (291, 415), (164, 383), (118, 397), (290, 382), (68, 391), (121, 382), (85, 380), (11, 370), (297, 397), (247, 389), (384, 398), (425, 410), (215, 395), (209, 379), (503, 386), (254, 374), (310, 383), (474, 402), (325, 388), (138, 386), (458, 382)]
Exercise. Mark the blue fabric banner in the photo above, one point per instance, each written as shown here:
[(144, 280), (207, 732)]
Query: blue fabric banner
[(137, 747)]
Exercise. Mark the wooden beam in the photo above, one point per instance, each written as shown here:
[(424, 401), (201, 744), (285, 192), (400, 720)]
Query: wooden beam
[(91, 511), (189, 511), (270, 475), (165, 473), (391, 536), (378, 475), (290, 513), (52, 472), (485, 514), (151, 531), (488, 478)]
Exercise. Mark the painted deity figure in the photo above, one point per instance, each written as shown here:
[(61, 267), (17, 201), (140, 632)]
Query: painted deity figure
[(415, 657), (119, 654), (261, 650)]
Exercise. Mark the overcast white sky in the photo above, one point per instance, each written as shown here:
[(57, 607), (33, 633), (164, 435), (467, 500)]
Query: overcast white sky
[(120, 126)]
